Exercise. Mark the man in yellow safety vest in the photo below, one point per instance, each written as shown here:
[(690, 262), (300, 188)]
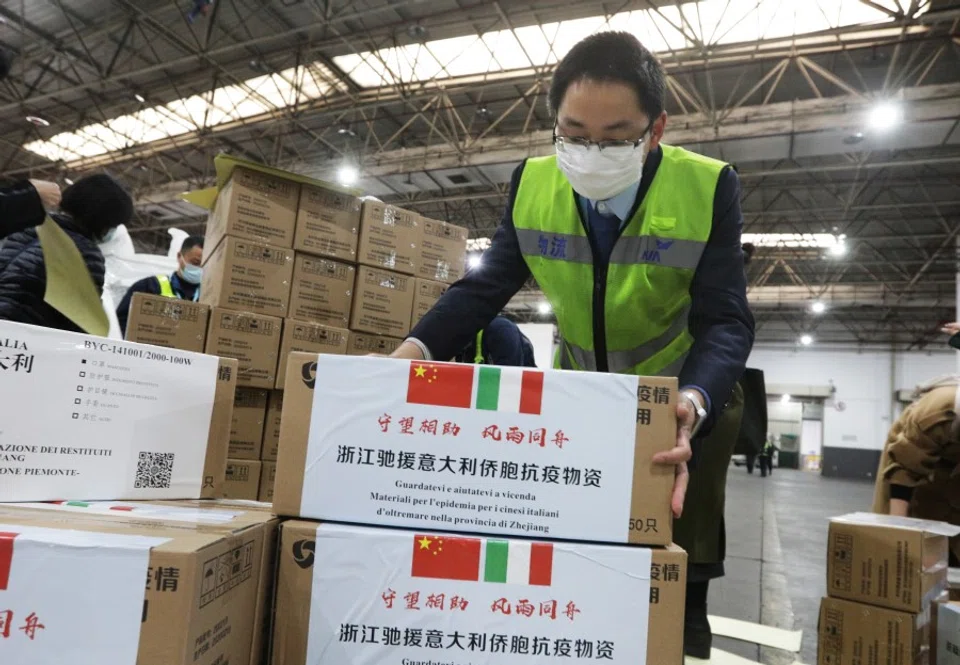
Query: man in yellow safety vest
[(636, 246), (183, 284)]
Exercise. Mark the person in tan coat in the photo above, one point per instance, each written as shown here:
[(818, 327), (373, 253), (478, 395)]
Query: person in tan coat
[(919, 474)]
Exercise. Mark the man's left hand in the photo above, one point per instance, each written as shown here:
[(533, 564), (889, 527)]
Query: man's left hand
[(679, 455)]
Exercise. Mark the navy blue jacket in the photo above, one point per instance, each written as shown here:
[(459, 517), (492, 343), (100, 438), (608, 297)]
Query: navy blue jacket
[(20, 208), (503, 344), (720, 319), (23, 275)]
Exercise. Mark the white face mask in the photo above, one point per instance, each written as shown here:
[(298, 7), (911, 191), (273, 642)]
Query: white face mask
[(192, 274), (600, 174)]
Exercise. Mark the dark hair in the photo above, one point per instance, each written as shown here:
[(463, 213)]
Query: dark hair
[(190, 242), (748, 249), (98, 203), (612, 56)]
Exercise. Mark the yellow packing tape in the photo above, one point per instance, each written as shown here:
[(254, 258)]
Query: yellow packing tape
[(225, 164), (70, 288)]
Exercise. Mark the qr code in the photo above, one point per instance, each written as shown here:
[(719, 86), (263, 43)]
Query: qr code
[(154, 471)]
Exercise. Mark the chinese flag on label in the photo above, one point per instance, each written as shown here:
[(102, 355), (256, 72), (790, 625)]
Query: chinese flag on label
[(446, 557), (6, 557), (435, 384)]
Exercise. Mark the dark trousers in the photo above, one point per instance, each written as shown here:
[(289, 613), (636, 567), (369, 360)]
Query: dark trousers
[(766, 465)]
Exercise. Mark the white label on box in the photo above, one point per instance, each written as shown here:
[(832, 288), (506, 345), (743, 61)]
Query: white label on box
[(402, 596), (71, 595), (948, 633), (471, 448), (138, 511), (95, 418)]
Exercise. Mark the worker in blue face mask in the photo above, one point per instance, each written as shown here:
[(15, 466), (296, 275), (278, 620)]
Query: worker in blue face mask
[(183, 284)]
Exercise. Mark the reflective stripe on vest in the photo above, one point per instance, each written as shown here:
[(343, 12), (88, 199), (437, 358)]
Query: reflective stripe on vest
[(478, 354), (647, 302), (166, 288), (654, 250)]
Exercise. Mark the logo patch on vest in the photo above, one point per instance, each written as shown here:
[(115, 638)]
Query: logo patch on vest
[(654, 255), (555, 247)]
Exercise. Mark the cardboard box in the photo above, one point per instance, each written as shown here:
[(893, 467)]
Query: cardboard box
[(243, 480), (362, 344), (268, 474), (501, 450), (893, 562), (98, 418), (945, 642), (310, 338), (848, 631), (426, 295), (240, 510), (201, 605), (248, 276), (255, 206), (322, 291), (246, 430), (459, 605), (328, 223), (252, 339), (389, 237), (168, 322), (382, 302), (271, 432), (443, 251)]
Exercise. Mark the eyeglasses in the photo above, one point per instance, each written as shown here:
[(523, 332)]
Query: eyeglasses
[(563, 141), (581, 142)]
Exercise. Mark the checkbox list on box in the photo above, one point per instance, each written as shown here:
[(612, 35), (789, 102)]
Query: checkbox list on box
[(82, 374), (79, 389), (76, 415), (77, 400)]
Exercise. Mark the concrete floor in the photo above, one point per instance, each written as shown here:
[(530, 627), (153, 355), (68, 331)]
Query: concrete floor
[(776, 554)]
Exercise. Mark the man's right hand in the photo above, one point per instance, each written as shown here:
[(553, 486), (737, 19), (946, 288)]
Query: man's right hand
[(899, 508), (49, 193), (408, 351)]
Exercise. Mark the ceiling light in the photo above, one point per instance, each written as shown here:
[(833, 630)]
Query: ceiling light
[(474, 261), (792, 240), (417, 31), (806, 340), (544, 307), (37, 120), (140, 98), (68, 181), (853, 139), (839, 249), (785, 399), (347, 175), (818, 307), (345, 130), (884, 115)]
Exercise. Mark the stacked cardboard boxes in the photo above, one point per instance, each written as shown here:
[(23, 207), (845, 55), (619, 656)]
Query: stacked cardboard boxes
[(208, 572), (470, 463), (886, 577), (168, 322), (129, 578), (295, 267)]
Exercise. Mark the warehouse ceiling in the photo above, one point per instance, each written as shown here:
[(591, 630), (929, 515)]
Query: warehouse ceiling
[(841, 117)]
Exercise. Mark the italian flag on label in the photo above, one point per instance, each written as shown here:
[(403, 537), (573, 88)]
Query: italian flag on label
[(508, 389), (482, 560)]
